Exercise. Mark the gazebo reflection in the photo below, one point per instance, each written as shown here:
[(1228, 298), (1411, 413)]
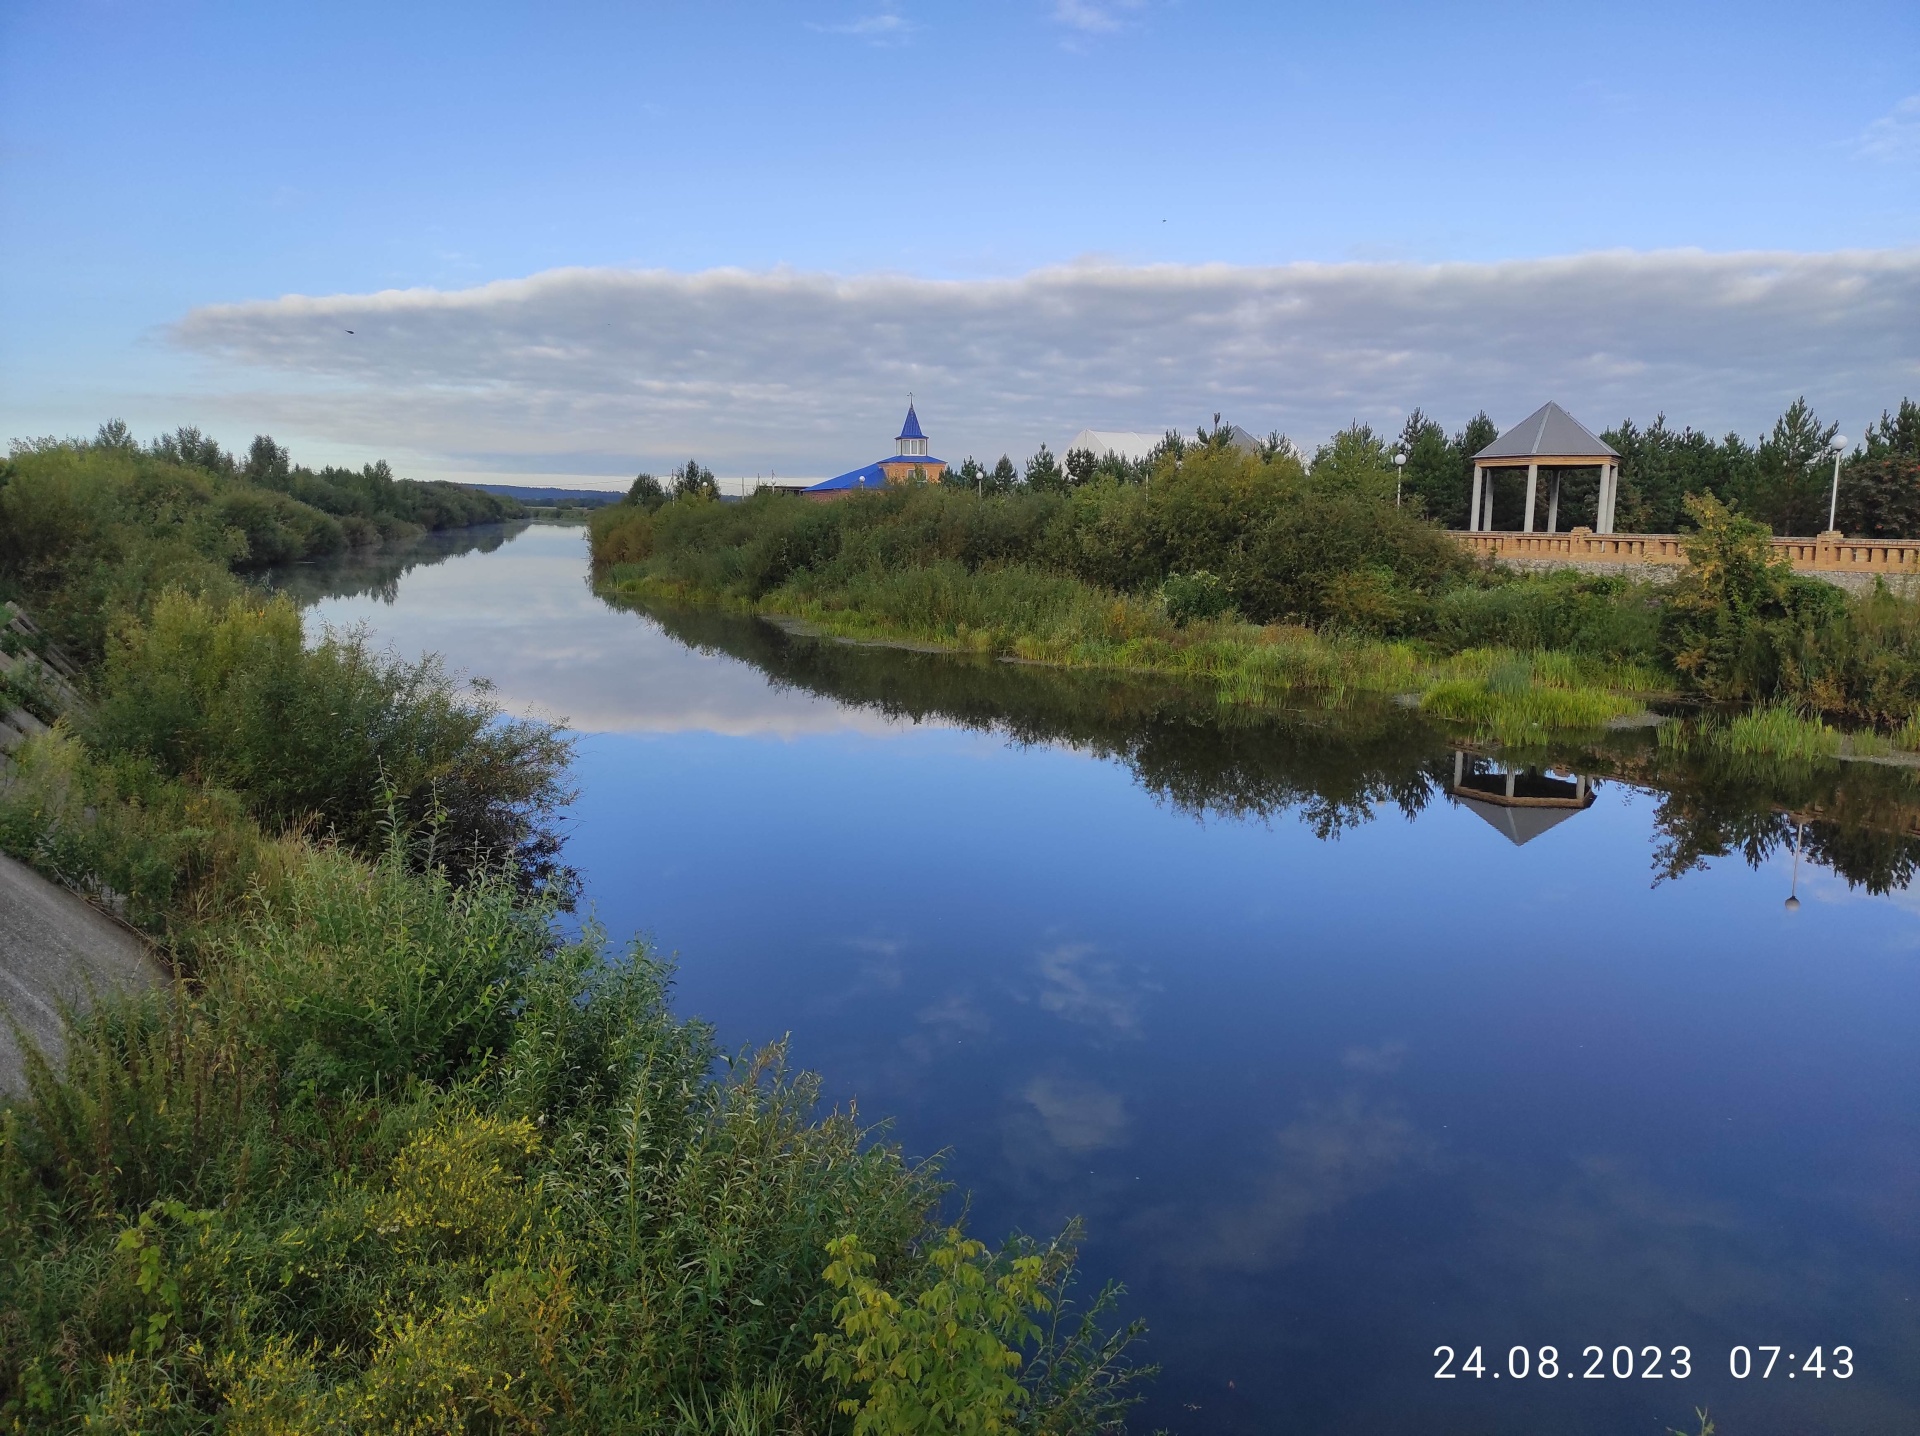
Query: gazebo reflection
[(1520, 803)]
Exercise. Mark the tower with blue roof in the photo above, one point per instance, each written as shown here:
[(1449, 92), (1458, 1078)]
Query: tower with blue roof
[(910, 460)]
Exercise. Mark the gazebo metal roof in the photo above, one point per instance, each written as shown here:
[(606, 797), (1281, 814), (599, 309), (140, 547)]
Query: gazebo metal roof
[(1548, 434)]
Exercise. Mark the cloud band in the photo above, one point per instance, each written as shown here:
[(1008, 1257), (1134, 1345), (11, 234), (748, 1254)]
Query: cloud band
[(603, 369)]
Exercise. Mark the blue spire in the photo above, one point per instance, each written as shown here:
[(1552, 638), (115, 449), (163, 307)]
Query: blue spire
[(911, 429)]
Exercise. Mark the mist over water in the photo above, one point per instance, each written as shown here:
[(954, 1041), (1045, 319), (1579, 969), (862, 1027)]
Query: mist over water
[(1337, 1071)]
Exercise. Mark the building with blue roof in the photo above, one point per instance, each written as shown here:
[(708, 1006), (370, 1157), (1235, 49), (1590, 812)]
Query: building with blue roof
[(909, 460)]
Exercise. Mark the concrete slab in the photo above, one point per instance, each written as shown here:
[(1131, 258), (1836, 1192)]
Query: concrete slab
[(56, 948)]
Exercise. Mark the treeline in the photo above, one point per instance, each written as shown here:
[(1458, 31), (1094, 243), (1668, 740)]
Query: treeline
[(92, 528), (1782, 478), (1290, 569)]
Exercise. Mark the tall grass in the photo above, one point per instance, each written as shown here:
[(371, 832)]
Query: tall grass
[(398, 1159)]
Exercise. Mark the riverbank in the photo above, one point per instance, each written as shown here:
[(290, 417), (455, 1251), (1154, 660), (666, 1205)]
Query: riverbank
[(1243, 574), (392, 1151), (1499, 692)]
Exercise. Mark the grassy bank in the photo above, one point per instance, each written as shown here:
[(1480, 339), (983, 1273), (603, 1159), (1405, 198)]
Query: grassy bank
[(397, 1159), (1248, 573)]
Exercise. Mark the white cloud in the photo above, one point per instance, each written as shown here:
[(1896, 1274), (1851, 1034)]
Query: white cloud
[(604, 370), (883, 27), (1093, 17), (1896, 134)]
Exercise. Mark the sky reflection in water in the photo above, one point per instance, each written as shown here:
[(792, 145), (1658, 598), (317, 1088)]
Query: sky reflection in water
[(1326, 1104)]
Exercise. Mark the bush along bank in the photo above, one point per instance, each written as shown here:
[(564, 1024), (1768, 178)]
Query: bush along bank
[(1276, 582), (89, 528), (397, 1158), (391, 1154)]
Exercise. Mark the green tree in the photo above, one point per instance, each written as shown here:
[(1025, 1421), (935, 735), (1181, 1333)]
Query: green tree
[(1786, 486), (1080, 467), (1044, 474), (1897, 434), (268, 464), (1356, 461), (647, 492), (1660, 466), (694, 481), (114, 434), (1004, 477), (1434, 482), (1478, 432)]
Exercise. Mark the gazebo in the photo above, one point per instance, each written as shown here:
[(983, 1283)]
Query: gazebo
[(1550, 438), (1518, 803)]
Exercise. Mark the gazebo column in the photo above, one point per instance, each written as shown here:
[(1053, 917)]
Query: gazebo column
[(1473, 509), (1553, 503), (1533, 494), (1486, 509), (1609, 493)]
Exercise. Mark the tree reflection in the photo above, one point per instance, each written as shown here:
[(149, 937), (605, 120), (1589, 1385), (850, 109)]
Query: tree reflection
[(1336, 771)]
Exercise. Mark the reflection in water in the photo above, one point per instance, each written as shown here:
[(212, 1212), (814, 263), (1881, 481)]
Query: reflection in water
[(1518, 803), (1336, 1074), (1335, 772), (376, 572)]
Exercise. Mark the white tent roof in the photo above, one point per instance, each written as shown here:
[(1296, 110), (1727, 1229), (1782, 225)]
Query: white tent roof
[(1121, 443)]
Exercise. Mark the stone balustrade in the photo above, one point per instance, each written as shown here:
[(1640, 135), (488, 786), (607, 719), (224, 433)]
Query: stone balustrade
[(1827, 554)]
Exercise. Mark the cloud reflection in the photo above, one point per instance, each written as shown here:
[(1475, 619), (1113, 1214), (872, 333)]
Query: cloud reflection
[(1078, 1116), (1333, 1153)]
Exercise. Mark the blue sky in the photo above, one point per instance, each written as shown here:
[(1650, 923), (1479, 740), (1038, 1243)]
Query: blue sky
[(159, 159)]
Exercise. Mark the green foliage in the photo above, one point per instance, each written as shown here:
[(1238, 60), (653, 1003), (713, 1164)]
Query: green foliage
[(1738, 623), (974, 1343), (1355, 460), (1787, 484), (1606, 618), (1880, 495), (92, 530), (646, 492), (1285, 546), (1044, 474), (331, 737), (943, 1360), (160, 852), (1520, 699), (1660, 467), (400, 1159), (1190, 596), (693, 481)]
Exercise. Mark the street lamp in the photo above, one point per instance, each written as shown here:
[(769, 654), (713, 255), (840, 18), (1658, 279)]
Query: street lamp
[(1399, 471), (1839, 447), (1793, 892)]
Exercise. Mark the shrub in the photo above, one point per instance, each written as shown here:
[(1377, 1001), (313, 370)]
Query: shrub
[(400, 1159), (1191, 596), (1738, 622), (332, 736), (1606, 618)]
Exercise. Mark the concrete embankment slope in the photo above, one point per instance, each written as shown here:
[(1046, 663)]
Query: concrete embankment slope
[(56, 949)]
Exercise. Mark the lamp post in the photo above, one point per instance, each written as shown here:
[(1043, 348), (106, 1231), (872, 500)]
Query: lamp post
[(1793, 892), (1399, 472), (1839, 447)]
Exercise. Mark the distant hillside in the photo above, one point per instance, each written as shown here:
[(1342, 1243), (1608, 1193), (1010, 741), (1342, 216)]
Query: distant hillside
[(546, 498)]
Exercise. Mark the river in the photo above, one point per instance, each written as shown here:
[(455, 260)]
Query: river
[(1341, 1061)]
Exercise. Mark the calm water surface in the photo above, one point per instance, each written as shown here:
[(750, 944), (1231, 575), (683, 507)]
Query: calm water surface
[(1336, 1071)]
